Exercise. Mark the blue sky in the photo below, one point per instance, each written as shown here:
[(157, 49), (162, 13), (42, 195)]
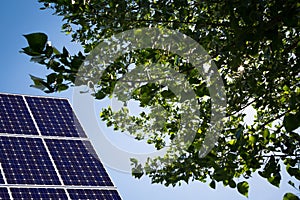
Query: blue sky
[(18, 17)]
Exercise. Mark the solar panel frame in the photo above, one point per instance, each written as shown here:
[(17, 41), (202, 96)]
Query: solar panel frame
[(101, 185)]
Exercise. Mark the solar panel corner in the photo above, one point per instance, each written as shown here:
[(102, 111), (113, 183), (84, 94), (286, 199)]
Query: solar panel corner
[(45, 153)]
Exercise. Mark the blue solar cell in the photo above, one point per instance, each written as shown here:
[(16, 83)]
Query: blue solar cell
[(14, 116), (55, 117), (4, 193), (82, 194), (77, 163), (1, 179), (38, 193), (25, 161)]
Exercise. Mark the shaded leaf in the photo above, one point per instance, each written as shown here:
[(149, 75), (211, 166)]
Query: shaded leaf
[(239, 133), (294, 172), (275, 180), (232, 183), (62, 87), (100, 95), (30, 52), (37, 41), (38, 82), (290, 196), (291, 183), (243, 188), (213, 184), (291, 122)]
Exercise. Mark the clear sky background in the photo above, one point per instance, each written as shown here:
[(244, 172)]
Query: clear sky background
[(18, 17)]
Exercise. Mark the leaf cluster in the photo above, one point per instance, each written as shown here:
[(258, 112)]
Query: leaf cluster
[(256, 47)]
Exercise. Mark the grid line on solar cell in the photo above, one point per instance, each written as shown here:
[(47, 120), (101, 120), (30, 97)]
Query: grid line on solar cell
[(43, 137), (77, 163), (55, 117), (4, 193), (25, 161), (2, 181), (14, 116), (39, 193), (94, 194)]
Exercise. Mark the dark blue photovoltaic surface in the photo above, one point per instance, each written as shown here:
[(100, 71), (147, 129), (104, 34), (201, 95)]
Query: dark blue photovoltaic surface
[(25, 161), (82, 194), (14, 116), (1, 179), (77, 163), (4, 193), (38, 193), (55, 117)]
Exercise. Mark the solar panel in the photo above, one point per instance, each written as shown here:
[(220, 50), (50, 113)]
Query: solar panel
[(38, 193), (94, 194), (55, 117), (45, 153), (76, 162), (25, 161), (15, 117)]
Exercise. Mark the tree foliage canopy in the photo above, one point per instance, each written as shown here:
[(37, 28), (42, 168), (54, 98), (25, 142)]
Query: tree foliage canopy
[(255, 45)]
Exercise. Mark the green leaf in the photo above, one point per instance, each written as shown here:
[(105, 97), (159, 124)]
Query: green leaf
[(275, 180), (239, 133), (291, 121), (291, 183), (29, 51), (252, 139), (266, 133), (243, 188), (290, 196), (294, 172), (62, 87), (48, 51), (41, 84), (232, 183), (168, 94), (38, 59), (38, 82), (51, 78), (100, 95), (134, 161), (137, 170), (213, 184), (286, 88), (65, 52), (37, 41)]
